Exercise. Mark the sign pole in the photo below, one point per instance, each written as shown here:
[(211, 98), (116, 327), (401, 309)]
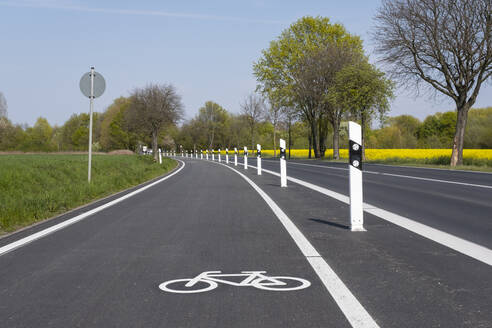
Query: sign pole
[(258, 159), (90, 124), (355, 170), (283, 165)]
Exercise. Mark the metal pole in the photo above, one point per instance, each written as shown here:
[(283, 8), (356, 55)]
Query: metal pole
[(90, 124), (355, 171)]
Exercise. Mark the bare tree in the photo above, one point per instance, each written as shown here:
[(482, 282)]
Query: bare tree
[(275, 114), (445, 43), (253, 109), (153, 108), (3, 105)]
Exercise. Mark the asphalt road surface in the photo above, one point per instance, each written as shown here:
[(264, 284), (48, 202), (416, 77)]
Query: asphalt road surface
[(106, 270)]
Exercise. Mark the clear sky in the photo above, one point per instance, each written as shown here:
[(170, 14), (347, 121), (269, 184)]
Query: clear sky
[(205, 48)]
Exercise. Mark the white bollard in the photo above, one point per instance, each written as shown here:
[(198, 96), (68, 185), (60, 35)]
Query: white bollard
[(283, 165), (227, 156), (160, 156), (219, 155), (206, 152), (201, 154), (213, 155), (355, 171), (235, 156), (245, 157), (258, 159)]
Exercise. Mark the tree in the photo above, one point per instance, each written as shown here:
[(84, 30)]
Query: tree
[(212, 118), (446, 44), (3, 105), (275, 114), (291, 67), (114, 134), (253, 109), (364, 91), (152, 108)]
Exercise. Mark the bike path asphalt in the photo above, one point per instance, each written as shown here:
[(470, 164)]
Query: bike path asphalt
[(402, 279), (104, 271), (463, 211)]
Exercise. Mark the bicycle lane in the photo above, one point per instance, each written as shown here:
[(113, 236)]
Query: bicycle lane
[(106, 270), (402, 279)]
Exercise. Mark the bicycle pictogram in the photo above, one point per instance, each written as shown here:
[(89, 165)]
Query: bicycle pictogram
[(209, 280)]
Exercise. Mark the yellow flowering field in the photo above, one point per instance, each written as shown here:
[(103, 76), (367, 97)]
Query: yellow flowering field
[(384, 154)]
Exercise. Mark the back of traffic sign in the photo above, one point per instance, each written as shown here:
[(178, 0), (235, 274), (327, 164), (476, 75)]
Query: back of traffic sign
[(99, 84)]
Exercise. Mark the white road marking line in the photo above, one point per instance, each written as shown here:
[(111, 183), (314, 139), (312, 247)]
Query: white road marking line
[(478, 252), (431, 168), (400, 176), (40, 234), (355, 313)]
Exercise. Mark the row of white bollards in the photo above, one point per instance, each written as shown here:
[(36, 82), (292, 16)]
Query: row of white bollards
[(355, 171)]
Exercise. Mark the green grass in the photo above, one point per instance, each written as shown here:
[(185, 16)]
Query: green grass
[(36, 187)]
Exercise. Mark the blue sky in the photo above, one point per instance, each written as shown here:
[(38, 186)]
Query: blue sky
[(206, 49)]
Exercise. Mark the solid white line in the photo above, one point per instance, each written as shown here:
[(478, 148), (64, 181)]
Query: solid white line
[(355, 313), (478, 252), (64, 224), (430, 179), (400, 176)]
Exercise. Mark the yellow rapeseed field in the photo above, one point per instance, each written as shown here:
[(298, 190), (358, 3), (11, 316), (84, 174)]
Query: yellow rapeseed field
[(384, 154)]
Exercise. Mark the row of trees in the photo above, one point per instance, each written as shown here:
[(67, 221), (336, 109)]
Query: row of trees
[(317, 72), (126, 124), (215, 127)]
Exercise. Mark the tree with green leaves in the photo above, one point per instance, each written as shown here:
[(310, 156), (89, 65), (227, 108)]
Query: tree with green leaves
[(211, 120), (291, 67), (3, 105), (364, 92), (152, 109)]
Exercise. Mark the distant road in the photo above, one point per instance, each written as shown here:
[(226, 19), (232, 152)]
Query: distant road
[(106, 269)]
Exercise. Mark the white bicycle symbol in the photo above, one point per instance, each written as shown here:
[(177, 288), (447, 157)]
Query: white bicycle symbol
[(209, 280)]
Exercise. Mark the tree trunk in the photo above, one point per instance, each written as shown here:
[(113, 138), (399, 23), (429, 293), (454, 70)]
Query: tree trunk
[(363, 132), (336, 139), (459, 136), (154, 144), (314, 135), (310, 144), (252, 136), (290, 143), (274, 143)]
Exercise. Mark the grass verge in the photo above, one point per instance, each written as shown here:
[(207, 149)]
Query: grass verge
[(35, 187)]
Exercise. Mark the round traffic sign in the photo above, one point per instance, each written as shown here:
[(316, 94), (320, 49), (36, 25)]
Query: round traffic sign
[(99, 84)]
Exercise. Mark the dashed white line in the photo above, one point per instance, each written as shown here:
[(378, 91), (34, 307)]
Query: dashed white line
[(64, 224)]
